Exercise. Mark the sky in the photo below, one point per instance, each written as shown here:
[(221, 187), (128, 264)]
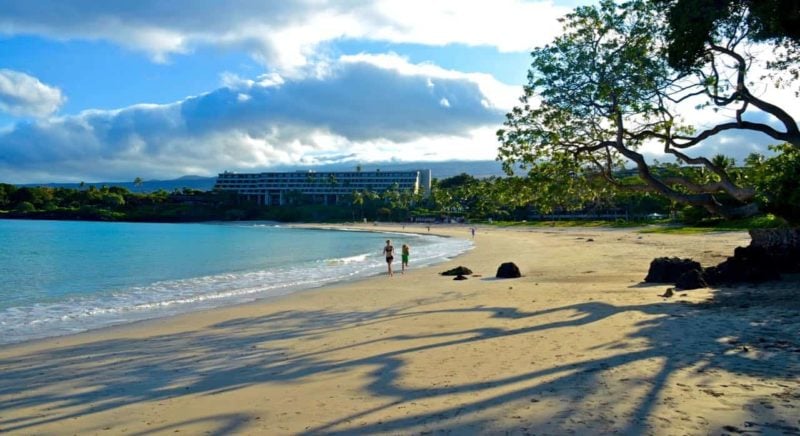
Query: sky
[(114, 90)]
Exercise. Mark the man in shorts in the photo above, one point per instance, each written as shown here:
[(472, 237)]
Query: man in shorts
[(404, 252)]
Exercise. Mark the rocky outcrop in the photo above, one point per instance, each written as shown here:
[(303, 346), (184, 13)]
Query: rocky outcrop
[(670, 269), (771, 252), (692, 279), (781, 247), (748, 264), (508, 270), (457, 271)]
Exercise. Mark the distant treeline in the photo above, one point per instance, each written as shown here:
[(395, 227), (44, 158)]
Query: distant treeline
[(118, 204), (462, 197), (115, 203), (537, 196)]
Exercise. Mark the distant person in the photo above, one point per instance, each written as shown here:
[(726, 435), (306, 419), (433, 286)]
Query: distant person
[(429, 228), (404, 257), (388, 251), (473, 232)]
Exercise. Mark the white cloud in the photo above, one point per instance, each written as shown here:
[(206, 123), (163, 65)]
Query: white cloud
[(508, 25), (499, 95), (479, 143), (377, 112), (24, 95), (285, 35)]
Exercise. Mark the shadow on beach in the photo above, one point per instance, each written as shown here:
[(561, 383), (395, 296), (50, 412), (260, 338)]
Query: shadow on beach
[(70, 382)]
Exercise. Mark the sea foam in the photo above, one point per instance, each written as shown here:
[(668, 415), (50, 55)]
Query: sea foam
[(169, 297)]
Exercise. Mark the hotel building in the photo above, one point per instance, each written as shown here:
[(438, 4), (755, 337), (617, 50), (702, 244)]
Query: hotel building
[(274, 189)]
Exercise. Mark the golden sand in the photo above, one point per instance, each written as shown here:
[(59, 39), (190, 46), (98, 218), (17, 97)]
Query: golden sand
[(578, 345)]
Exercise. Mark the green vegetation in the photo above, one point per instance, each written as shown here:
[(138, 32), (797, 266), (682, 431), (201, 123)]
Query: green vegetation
[(506, 201), (720, 225), (695, 23), (605, 88), (186, 205), (117, 204)]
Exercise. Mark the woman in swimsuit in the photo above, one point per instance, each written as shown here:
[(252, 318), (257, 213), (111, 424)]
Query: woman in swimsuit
[(388, 251), (404, 252)]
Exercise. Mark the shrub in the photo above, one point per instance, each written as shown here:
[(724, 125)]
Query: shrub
[(25, 207)]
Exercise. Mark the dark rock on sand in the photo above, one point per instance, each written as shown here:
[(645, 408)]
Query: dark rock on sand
[(771, 252), (781, 246), (508, 270), (692, 279), (457, 271), (751, 264), (669, 269)]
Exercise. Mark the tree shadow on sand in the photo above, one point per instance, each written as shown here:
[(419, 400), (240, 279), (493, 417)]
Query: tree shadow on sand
[(105, 375)]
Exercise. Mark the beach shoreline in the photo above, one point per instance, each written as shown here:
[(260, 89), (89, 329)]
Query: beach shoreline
[(166, 297), (577, 344)]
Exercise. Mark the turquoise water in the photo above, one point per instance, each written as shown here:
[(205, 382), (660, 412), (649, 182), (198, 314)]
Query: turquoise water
[(61, 277)]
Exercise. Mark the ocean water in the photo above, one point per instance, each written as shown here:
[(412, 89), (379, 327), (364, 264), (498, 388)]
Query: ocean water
[(63, 277)]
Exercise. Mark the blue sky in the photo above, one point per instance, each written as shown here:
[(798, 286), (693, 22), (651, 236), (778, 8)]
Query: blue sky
[(107, 91), (114, 90)]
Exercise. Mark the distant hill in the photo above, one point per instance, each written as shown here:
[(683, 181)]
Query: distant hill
[(439, 170), (192, 182)]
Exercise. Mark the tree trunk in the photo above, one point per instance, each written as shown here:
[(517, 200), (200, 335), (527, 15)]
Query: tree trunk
[(745, 211)]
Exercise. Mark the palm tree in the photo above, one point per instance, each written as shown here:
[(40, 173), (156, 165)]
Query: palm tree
[(333, 182), (358, 199), (137, 182), (723, 162), (391, 197)]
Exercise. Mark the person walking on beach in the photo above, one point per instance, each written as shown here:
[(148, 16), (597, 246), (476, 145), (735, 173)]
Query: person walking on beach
[(404, 257), (388, 251), (473, 232)]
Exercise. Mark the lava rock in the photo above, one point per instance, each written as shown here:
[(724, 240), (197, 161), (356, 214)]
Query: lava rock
[(692, 279), (748, 264), (457, 271), (669, 269), (508, 270)]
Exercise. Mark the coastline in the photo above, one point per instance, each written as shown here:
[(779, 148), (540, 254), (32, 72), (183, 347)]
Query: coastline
[(165, 296), (576, 344)]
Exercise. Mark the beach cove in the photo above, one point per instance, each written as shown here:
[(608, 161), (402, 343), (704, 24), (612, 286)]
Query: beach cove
[(577, 345)]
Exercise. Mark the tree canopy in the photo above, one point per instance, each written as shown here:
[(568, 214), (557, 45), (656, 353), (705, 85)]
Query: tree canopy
[(695, 23), (604, 89)]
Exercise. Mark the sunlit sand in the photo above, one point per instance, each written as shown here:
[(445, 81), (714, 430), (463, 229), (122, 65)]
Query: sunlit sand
[(577, 345)]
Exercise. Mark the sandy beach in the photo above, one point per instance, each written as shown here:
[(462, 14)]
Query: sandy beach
[(578, 345)]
